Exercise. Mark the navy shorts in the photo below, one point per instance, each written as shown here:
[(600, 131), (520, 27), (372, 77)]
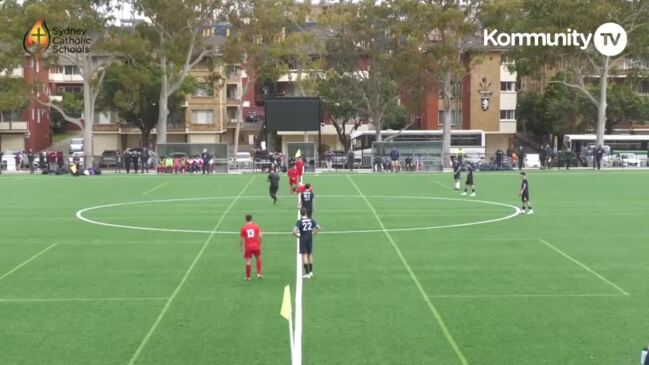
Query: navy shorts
[(306, 246), (525, 197), (469, 181)]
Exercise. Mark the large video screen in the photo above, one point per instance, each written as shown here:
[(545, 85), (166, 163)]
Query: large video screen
[(293, 114)]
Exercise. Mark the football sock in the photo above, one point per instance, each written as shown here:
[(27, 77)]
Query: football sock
[(258, 266), (306, 269), (248, 269), (310, 268)]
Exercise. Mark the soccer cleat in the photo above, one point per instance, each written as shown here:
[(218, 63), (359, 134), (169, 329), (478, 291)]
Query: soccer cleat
[(521, 211), (311, 275), (530, 212), (463, 194), (306, 276), (246, 278), (260, 276), (472, 194)]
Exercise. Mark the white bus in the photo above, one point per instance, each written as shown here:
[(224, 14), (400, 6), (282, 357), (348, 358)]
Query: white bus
[(618, 143), (472, 142), (616, 147)]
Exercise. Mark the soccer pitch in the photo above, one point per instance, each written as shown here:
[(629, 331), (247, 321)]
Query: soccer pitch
[(406, 270)]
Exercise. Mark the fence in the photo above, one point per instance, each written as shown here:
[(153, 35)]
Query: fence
[(169, 153), (307, 151), (413, 155)]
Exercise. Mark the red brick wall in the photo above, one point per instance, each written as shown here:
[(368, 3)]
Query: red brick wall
[(37, 115)]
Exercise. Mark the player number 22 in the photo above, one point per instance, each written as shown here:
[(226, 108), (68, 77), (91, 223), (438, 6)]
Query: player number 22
[(306, 226)]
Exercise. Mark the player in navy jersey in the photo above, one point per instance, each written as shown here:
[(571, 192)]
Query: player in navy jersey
[(305, 229), (457, 170), (469, 181), (525, 195), (307, 200)]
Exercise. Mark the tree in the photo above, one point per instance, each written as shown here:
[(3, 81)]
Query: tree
[(359, 48), (91, 15), (433, 35), (579, 65), (71, 104), (339, 100), (14, 96), (178, 43), (257, 42), (132, 89)]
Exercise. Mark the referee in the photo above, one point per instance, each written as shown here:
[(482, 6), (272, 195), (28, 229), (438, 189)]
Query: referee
[(273, 179), (525, 195)]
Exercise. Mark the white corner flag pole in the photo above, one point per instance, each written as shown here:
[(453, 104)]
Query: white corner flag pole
[(287, 313)]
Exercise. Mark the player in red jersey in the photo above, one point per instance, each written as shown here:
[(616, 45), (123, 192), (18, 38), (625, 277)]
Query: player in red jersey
[(293, 178), (299, 164), (302, 188), (251, 245)]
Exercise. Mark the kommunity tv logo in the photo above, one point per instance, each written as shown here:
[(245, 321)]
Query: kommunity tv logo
[(610, 39)]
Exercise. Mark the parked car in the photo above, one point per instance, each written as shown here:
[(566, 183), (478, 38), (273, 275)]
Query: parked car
[(244, 160), (473, 158), (108, 159), (76, 157), (339, 159), (76, 145), (629, 160), (10, 155)]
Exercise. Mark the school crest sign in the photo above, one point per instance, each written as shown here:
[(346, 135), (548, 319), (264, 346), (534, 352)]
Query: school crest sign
[(485, 93)]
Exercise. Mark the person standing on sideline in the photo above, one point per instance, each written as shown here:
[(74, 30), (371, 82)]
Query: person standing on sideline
[(394, 159), (457, 171), (145, 159), (206, 162), (118, 162), (521, 157), (250, 244), (135, 159), (273, 179), (599, 153), (350, 160), (30, 159), (524, 193), (305, 229), (329, 158), (469, 181), (127, 161)]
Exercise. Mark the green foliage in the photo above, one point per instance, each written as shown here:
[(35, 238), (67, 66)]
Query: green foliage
[(13, 94)]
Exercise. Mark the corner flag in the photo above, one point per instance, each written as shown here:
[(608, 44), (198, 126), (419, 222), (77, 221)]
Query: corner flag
[(286, 304), (298, 153)]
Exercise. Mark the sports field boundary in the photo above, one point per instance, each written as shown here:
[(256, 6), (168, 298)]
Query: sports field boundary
[(584, 266), (170, 300), (424, 295)]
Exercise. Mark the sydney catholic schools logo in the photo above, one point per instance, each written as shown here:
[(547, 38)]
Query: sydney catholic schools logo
[(37, 39), (485, 93), (63, 40)]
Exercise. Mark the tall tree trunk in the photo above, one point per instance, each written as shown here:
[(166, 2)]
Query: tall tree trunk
[(237, 128), (601, 105), (88, 109), (163, 110), (447, 121)]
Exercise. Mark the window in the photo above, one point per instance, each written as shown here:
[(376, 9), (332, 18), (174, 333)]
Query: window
[(509, 86), (71, 70), (38, 66), (456, 118), (69, 89), (466, 140), (56, 70), (508, 115), (38, 117), (204, 90), (643, 87), (203, 116)]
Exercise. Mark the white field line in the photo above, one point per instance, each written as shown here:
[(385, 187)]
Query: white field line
[(155, 188), (27, 261), (297, 332), (583, 266), (515, 212), (442, 185), (50, 300), (424, 295), (146, 338), (496, 296)]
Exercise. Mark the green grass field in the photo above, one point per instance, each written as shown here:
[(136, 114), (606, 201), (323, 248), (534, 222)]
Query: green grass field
[(568, 285)]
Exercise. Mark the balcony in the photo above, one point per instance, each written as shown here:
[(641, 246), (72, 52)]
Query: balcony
[(105, 127), (58, 77), (13, 126)]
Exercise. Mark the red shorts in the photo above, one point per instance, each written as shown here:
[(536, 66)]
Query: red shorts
[(292, 182), (249, 253)]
